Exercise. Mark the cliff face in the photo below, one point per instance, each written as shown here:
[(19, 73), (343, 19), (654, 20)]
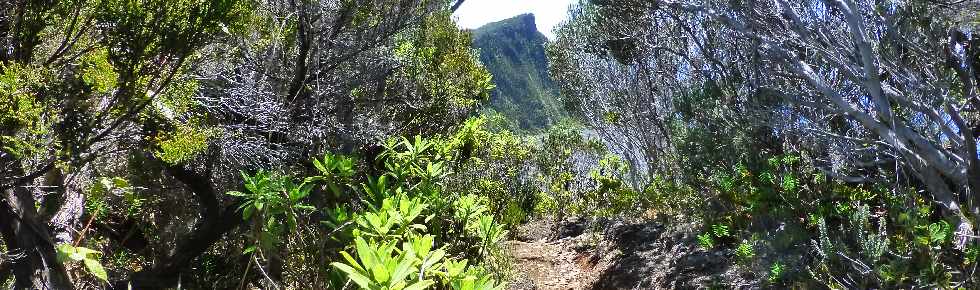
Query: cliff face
[(513, 51)]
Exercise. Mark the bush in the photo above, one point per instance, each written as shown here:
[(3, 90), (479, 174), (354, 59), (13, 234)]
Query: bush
[(404, 229), (855, 229)]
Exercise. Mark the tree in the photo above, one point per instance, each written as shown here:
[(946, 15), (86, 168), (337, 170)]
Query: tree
[(910, 86), (339, 74), (76, 78), (666, 84), (127, 120), (864, 85)]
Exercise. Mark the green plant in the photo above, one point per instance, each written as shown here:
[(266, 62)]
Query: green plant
[(393, 221), (823, 245), (776, 272), (745, 251), (183, 144), (379, 267), (459, 276), (488, 232), (335, 171), (790, 182), (706, 241), (873, 245), (468, 207), (720, 231), (476, 281), (88, 257), (934, 234), (275, 202), (405, 206), (415, 161), (382, 265), (337, 216), (612, 196), (971, 254)]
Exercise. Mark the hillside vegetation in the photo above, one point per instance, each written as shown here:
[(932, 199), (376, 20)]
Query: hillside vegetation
[(513, 51), (372, 144)]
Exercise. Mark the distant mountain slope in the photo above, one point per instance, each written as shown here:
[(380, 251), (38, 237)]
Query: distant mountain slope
[(513, 51)]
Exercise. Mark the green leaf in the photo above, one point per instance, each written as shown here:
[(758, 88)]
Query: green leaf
[(354, 275), (455, 268), (304, 207), (352, 262), (64, 250), (319, 166), (69, 252), (420, 285), (423, 245), (236, 193), (380, 273), (433, 259), (119, 182), (366, 253), (300, 192), (96, 269), (404, 267), (938, 232), (467, 283), (291, 222), (76, 256), (312, 179), (247, 213)]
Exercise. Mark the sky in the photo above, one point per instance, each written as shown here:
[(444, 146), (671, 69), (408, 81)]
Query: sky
[(547, 13)]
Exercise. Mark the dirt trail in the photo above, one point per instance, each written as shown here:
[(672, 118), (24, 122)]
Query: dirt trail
[(551, 266), (615, 255), (549, 257)]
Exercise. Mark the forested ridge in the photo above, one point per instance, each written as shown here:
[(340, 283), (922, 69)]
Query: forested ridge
[(347, 144)]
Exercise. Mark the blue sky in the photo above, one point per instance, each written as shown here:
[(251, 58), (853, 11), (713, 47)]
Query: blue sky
[(548, 13)]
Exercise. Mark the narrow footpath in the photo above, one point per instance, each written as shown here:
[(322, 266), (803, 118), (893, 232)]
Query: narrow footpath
[(574, 255)]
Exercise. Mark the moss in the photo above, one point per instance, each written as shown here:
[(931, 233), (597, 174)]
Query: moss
[(183, 144), (21, 112), (97, 73)]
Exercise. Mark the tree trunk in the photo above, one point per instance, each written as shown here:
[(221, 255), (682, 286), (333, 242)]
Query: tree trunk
[(35, 265), (215, 222), (66, 206), (166, 273)]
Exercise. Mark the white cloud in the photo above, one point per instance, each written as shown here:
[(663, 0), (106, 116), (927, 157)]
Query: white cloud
[(548, 13)]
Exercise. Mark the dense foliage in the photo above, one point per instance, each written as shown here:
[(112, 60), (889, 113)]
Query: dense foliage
[(124, 122), (837, 138), (340, 144)]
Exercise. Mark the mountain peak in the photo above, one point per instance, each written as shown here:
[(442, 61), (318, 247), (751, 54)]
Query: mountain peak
[(513, 51), (527, 20), (523, 26)]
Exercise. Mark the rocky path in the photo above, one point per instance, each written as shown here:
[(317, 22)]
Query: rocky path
[(549, 257), (544, 265), (614, 255)]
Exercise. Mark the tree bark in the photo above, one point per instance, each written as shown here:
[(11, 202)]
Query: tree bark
[(68, 205), (166, 273), (4, 271), (456, 5), (215, 222), (36, 265)]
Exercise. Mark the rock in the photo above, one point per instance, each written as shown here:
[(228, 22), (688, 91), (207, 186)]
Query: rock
[(618, 254)]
